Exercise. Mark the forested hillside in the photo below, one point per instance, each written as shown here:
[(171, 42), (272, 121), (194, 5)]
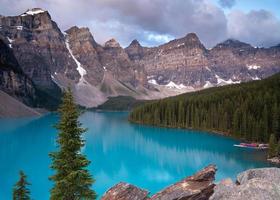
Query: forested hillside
[(248, 110)]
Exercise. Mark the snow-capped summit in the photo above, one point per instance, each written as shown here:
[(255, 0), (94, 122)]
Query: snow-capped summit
[(33, 11)]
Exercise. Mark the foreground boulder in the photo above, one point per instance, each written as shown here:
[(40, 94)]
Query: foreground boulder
[(197, 187), (125, 191), (254, 184)]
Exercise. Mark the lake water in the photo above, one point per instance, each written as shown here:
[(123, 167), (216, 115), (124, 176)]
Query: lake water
[(148, 157)]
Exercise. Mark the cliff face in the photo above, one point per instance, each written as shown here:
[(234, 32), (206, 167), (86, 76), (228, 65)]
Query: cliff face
[(12, 79), (86, 51), (186, 61), (39, 48)]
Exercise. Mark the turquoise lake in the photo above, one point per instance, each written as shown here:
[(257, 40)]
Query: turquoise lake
[(148, 157)]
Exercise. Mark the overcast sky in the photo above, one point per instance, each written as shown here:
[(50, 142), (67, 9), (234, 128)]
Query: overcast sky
[(154, 22)]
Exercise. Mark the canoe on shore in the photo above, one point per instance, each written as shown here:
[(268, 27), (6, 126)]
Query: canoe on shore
[(252, 145)]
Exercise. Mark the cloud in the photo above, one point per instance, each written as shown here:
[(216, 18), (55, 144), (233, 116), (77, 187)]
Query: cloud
[(260, 28), (153, 22), (227, 3)]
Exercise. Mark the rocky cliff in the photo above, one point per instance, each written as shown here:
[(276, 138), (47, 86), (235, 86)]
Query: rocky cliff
[(186, 62), (12, 79), (53, 60)]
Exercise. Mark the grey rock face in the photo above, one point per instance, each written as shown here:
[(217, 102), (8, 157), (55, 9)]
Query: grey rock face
[(254, 184), (39, 47), (186, 61), (86, 51), (51, 58), (116, 60), (12, 79), (270, 174)]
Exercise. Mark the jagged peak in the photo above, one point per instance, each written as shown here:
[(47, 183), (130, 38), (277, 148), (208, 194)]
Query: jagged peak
[(112, 43), (135, 43), (192, 37), (77, 29), (233, 43), (33, 11)]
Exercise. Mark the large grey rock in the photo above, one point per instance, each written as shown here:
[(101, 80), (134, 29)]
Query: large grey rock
[(254, 184), (269, 174), (197, 187), (253, 189), (125, 191)]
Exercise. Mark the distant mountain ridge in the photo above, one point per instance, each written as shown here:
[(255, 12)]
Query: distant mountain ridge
[(53, 59)]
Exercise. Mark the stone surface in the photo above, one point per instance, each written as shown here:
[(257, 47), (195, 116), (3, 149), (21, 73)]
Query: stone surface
[(125, 191), (199, 186), (253, 184), (254, 189), (270, 174), (12, 79)]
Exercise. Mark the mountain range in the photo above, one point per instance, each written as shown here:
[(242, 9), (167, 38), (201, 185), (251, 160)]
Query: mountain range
[(38, 60)]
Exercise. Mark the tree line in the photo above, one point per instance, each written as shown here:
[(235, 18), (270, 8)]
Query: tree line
[(249, 111)]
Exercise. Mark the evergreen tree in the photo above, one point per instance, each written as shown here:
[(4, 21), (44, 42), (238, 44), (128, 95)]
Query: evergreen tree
[(72, 180), (272, 146), (248, 110), (278, 148), (20, 191)]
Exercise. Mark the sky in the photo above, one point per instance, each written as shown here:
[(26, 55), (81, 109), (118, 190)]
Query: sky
[(154, 22)]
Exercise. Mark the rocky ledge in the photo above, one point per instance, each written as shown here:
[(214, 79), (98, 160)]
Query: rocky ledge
[(253, 184), (197, 187)]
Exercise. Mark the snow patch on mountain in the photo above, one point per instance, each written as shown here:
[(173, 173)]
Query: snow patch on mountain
[(80, 69), (256, 78), (255, 67), (33, 11), (153, 81), (221, 81), (171, 84), (208, 84), (10, 41), (19, 28)]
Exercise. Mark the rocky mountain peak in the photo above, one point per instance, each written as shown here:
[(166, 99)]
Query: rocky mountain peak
[(192, 37), (81, 34), (112, 43), (191, 40), (233, 43), (135, 43)]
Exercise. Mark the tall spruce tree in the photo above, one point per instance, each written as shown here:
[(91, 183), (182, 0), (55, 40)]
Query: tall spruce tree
[(72, 180), (272, 146), (20, 191)]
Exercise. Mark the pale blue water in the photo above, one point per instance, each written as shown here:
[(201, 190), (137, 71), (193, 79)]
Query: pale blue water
[(149, 157)]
